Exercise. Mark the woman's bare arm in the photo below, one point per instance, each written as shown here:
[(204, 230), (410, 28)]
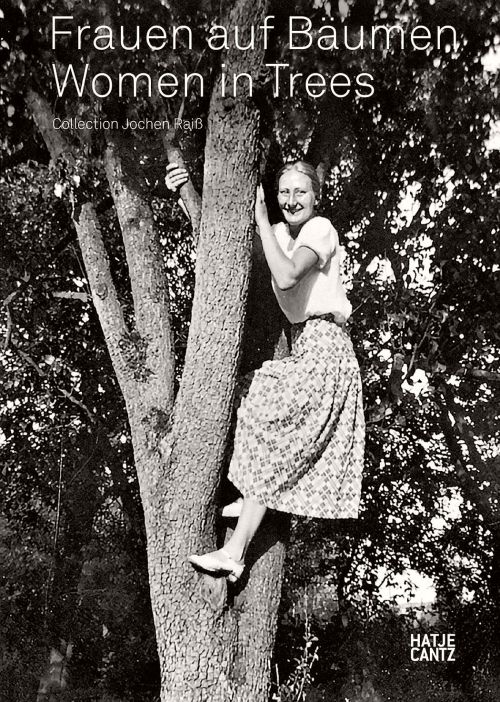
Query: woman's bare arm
[(286, 271)]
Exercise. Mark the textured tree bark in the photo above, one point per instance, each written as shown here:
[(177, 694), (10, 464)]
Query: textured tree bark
[(257, 603), (257, 610), (198, 660), (213, 644)]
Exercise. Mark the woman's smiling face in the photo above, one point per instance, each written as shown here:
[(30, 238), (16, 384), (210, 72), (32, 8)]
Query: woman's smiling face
[(296, 197)]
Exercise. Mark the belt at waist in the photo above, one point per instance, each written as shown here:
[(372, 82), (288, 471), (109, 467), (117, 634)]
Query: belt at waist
[(330, 317)]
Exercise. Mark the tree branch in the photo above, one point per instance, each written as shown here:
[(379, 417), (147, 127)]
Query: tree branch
[(188, 195), (71, 295), (477, 374), (189, 198), (6, 305), (91, 416), (94, 253), (483, 471), (331, 126), (106, 449), (8, 331), (104, 294), (27, 359), (420, 342), (472, 490), (147, 274), (42, 116)]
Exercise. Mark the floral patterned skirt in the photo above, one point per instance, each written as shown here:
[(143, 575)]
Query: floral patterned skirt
[(300, 432)]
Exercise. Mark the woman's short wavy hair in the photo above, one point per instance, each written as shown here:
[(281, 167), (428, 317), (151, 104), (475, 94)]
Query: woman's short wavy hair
[(302, 167)]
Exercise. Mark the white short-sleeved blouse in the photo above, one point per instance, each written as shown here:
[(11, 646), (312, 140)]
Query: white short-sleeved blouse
[(321, 290)]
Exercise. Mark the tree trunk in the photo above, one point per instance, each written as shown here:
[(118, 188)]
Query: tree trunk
[(80, 501), (213, 645), (54, 680), (257, 610), (197, 633), (197, 623)]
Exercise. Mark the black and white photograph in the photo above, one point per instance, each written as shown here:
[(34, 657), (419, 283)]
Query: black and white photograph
[(250, 351)]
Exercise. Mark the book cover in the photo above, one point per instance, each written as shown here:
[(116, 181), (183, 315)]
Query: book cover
[(135, 300)]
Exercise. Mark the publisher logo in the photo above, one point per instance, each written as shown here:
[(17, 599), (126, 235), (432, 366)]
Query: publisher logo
[(432, 647)]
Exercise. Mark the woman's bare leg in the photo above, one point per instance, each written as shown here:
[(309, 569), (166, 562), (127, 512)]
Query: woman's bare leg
[(252, 514), (229, 560)]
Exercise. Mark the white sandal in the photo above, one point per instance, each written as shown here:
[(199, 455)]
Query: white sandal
[(219, 562)]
